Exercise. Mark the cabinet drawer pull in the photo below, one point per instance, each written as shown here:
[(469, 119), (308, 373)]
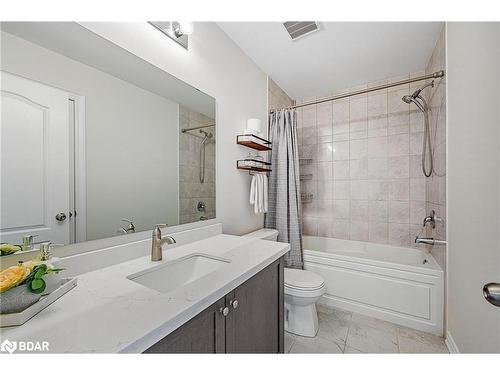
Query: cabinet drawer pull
[(224, 310), (234, 303)]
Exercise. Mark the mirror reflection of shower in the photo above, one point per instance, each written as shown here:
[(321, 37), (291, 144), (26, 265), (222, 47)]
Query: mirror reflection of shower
[(206, 138), (421, 104)]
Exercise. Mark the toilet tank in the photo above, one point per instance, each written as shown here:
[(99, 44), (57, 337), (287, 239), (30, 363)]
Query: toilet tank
[(264, 234)]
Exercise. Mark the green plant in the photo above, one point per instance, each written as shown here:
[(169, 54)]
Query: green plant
[(35, 282)]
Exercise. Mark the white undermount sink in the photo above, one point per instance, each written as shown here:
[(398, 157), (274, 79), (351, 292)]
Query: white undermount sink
[(172, 275)]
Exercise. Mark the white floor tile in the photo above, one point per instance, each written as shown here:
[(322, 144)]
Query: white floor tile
[(413, 341), (333, 329), (371, 340), (407, 345), (343, 331), (375, 323), (315, 345), (289, 340)]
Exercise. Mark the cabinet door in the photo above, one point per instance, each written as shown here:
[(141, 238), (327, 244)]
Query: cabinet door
[(205, 333), (255, 325)]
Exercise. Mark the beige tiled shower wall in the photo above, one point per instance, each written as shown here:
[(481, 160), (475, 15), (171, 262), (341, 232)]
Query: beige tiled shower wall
[(276, 97), (361, 163), (436, 184), (191, 190)]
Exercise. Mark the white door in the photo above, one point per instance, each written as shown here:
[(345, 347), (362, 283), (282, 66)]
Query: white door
[(34, 161)]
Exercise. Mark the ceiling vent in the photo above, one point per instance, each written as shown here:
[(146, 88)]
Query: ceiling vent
[(298, 29)]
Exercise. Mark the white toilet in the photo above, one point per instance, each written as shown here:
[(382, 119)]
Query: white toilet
[(302, 290)]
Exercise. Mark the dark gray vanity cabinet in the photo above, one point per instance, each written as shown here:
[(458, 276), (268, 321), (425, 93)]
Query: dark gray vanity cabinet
[(249, 319)]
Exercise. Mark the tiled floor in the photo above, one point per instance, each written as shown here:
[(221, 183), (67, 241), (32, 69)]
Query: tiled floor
[(345, 332)]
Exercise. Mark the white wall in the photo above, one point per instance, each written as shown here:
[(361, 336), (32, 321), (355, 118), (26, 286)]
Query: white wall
[(131, 139), (473, 118), (215, 65)]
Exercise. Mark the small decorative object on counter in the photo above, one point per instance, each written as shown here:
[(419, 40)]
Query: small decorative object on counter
[(23, 284), (8, 248), (52, 279)]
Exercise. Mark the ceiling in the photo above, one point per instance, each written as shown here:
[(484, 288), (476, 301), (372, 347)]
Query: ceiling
[(339, 55)]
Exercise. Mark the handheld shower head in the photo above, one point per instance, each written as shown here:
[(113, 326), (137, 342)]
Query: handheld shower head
[(407, 99), (420, 102), (410, 99), (416, 98)]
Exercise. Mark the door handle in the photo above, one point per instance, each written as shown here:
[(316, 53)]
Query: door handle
[(491, 292), (234, 303), (224, 311), (61, 216)]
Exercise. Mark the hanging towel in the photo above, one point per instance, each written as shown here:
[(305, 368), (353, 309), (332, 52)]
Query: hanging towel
[(252, 190), (258, 193), (264, 193)]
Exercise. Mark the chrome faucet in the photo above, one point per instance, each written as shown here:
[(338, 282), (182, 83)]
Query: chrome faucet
[(158, 242), (28, 242), (429, 241), (130, 227)]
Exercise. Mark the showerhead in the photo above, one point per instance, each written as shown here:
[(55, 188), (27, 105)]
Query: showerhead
[(407, 99), (206, 137), (410, 99), (417, 99)]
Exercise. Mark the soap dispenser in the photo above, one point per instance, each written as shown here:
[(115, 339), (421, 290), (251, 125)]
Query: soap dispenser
[(52, 280)]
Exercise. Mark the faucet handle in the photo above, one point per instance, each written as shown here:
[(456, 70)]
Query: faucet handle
[(158, 226), (157, 231), (130, 227)]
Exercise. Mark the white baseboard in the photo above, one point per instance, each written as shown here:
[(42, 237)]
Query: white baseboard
[(450, 343)]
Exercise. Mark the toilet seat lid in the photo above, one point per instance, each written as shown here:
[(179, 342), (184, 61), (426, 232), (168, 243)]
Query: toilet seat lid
[(302, 279)]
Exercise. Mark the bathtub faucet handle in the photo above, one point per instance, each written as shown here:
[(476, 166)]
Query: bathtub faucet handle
[(431, 219)]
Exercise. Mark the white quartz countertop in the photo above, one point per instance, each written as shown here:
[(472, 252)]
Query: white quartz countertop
[(108, 313)]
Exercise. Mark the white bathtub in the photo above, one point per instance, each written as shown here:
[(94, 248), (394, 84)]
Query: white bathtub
[(401, 285)]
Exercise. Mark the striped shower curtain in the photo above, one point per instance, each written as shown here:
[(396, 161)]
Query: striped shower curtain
[(284, 212)]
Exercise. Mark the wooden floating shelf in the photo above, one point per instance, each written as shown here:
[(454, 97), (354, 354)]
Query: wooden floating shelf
[(255, 169), (261, 166), (254, 142)]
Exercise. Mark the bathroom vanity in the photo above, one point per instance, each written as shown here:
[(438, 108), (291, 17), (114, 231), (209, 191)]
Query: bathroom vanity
[(211, 293), (249, 319)]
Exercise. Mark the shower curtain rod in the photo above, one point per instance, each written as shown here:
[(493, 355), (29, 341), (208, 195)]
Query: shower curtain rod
[(437, 74), (197, 127)]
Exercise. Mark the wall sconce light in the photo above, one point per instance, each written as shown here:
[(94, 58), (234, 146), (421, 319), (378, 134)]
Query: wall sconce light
[(178, 31)]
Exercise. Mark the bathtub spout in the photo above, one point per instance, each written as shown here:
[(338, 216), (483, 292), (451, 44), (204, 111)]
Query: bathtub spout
[(429, 241)]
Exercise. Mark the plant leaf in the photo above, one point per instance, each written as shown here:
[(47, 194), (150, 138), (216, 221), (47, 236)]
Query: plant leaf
[(37, 286)]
